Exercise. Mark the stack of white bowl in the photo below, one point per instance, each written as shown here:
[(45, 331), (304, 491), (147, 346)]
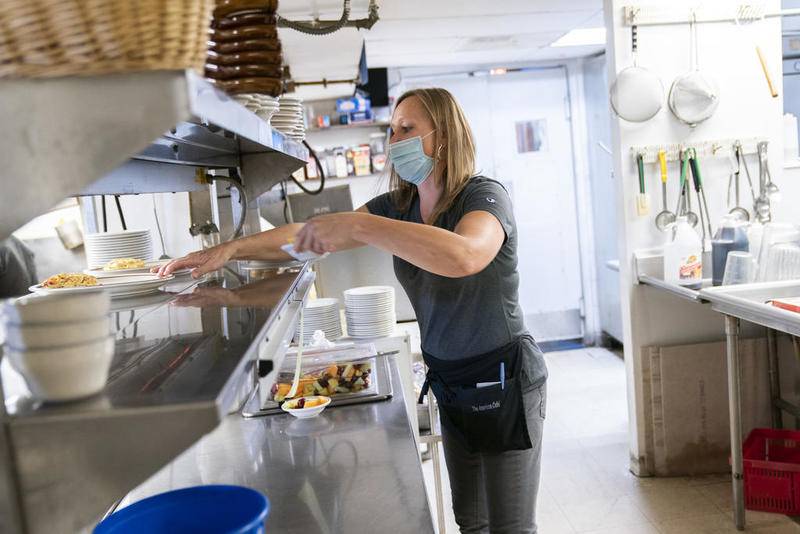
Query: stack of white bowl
[(370, 311), (104, 247), (61, 345), (264, 106), (289, 118), (320, 314)]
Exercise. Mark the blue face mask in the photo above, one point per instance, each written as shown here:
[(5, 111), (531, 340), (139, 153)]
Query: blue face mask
[(410, 161)]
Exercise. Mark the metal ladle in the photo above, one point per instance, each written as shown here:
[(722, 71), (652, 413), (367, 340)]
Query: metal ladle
[(743, 159), (762, 203), (771, 188), (738, 210), (666, 217)]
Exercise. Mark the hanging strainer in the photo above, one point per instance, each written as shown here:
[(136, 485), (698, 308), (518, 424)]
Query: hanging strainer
[(694, 97)]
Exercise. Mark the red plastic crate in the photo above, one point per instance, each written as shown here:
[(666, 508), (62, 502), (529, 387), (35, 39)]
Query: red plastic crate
[(772, 471)]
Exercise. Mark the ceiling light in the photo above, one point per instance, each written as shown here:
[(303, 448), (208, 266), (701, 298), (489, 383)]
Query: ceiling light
[(498, 71), (582, 37)]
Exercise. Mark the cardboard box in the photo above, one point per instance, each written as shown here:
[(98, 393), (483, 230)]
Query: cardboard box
[(689, 418)]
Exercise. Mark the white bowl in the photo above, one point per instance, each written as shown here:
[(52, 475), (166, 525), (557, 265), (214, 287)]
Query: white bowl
[(56, 308), (306, 413), (43, 336), (65, 373)]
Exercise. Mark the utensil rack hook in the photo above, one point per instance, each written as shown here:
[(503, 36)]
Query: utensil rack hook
[(659, 15), (704, 149)]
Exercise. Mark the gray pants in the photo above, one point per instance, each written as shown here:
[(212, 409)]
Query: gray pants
[(496, 493)]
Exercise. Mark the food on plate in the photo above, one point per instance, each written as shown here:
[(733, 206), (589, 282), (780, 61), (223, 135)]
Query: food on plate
[(62, 280), (303, 402), (335, 379), (124, 263)]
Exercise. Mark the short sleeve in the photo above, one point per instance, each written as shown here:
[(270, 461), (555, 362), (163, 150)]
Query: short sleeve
[(381, 205), (490, 196)]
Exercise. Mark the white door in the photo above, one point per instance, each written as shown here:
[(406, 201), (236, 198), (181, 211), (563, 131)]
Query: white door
[(522, 131), (532, 148), (605, 202)]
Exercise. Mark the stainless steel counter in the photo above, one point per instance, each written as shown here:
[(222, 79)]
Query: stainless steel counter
[(185, 357), (749, 302), (649, 269), (353, 469)]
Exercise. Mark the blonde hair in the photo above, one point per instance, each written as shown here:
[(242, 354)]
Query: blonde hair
[(456, 155)]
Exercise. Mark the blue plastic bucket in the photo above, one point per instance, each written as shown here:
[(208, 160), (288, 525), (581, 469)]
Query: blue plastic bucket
[(197, 510)]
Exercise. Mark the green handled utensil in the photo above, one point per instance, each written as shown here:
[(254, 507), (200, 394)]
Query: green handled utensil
[(705, 221), (685, 200), (642, 199)]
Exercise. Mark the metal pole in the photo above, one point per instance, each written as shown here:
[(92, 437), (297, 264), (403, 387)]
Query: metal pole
[(783, 404), (735, 412), (774, 379), (437, 468)]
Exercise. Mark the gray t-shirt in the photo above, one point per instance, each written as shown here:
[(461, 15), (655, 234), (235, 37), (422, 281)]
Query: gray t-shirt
[(464, 317)]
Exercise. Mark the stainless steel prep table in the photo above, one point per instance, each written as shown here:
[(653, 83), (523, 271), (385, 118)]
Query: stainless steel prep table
[(185, 357), (352, 469), (748, 303), (738, 303)]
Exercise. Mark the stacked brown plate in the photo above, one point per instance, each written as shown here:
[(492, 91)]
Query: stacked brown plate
[(244, 51)]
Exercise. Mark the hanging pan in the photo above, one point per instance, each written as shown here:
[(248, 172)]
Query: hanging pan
[(693, 97), (637, 94)]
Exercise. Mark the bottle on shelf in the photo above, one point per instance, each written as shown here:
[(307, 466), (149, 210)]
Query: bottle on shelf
[(377, 145), (683, 256), (351, 168), (340, 162), (731, 235)]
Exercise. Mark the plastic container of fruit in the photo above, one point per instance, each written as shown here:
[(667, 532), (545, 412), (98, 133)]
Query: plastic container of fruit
[(306, 407), (338, 372)]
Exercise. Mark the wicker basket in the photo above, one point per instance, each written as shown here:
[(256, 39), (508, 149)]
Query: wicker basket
[(47, 38)]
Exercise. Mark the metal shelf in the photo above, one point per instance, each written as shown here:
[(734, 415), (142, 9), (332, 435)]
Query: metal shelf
[(650, 271), (95, 134), (694, 295), (350, 126)]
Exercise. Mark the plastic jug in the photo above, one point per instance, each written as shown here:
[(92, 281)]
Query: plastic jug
[(731, 235), (683, 256)]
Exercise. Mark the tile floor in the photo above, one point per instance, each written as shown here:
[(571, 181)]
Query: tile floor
[(586, 486)]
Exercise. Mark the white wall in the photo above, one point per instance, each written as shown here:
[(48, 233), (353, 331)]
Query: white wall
[(173, 214), (746, 110)]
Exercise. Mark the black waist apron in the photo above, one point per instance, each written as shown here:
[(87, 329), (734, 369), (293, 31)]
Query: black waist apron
[(480, 398)]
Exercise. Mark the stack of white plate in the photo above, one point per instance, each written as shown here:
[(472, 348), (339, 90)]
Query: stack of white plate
[(102, 248), (321, 314), (264, 106), (370, 311), (289, 118)]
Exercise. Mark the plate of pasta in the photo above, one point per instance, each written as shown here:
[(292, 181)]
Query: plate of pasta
[(120, 286), (129, 266)]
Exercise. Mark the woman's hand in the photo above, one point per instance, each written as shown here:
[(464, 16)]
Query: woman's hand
[(201, 261), (207, 297), (329, 233)]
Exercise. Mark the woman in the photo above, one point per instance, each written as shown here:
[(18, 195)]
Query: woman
[(454, 242)]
